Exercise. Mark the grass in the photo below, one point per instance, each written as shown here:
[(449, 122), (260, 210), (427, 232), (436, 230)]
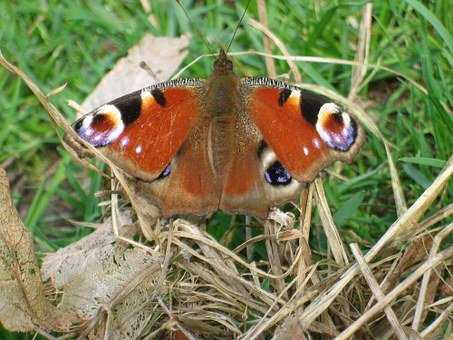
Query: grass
[(76, 42)]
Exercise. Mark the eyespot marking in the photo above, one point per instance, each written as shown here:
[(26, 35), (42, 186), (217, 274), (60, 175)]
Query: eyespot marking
[(309, 106), (277, 175), (335, 127), (338, 117), (124, 141), (101, 127), (316, 143)]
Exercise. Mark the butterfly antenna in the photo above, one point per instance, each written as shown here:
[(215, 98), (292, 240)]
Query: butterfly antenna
[(238, 25), (195, 28)]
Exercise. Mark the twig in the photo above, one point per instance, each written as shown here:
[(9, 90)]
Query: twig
[(436, 323), (306, 212), (359, 72), (426, 277), (248, 237), (323, 301), (189, 335), (333, 237), (274, 257), (270, 65), (398, 194), (190, 234), (411, 279), (438, 216), (377, 292), (313, 59), (305, 222), (294, 302)]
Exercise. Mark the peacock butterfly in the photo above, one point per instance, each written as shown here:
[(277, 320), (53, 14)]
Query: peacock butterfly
[(225, 143)]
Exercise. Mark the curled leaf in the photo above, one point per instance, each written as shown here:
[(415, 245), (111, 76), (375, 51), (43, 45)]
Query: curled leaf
[(23, 303)]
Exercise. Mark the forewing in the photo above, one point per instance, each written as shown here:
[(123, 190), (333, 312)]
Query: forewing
[(159, 137), (306, 131), (142, 131)]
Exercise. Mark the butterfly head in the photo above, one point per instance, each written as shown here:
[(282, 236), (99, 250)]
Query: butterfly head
[(223, 65)]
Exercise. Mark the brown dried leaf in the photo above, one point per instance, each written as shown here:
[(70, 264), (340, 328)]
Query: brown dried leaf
[(67, 263), (291, 329), (132, 303), (23, 304), (101, 274), (163, 55)]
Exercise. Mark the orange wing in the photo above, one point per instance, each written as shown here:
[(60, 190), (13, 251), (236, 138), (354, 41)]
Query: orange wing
[(159, 136), (306, 131), (142, 131)]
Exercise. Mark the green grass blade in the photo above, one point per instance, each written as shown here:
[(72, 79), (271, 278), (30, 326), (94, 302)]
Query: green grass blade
[(428, 15), (416, 175), (433, 162), (349, 208), (43, 197)]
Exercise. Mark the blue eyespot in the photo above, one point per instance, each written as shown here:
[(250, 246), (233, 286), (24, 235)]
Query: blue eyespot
[(277, 175), (166, 172)]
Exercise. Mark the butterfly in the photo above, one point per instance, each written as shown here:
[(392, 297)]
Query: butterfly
[(225, 143)]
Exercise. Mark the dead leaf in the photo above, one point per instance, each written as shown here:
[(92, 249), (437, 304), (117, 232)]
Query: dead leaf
[(100, 274), (163, 55), (69, 262), (291, 329), (23, 303)]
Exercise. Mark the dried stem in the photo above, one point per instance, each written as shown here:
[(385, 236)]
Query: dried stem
[(323, 301), (426, 277), (431, 262), (270, 64), (379, 295)]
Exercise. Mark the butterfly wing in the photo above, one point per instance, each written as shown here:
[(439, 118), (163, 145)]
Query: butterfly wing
[(243, 152), (239, 167), (306, 131), (158, 135), (290, 135)]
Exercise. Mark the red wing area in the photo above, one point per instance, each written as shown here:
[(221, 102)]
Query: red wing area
[(141, 132), (191, 186), (243, 190), (294, 139)]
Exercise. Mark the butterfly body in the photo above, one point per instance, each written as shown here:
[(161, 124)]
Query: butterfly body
[(231, 144)]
